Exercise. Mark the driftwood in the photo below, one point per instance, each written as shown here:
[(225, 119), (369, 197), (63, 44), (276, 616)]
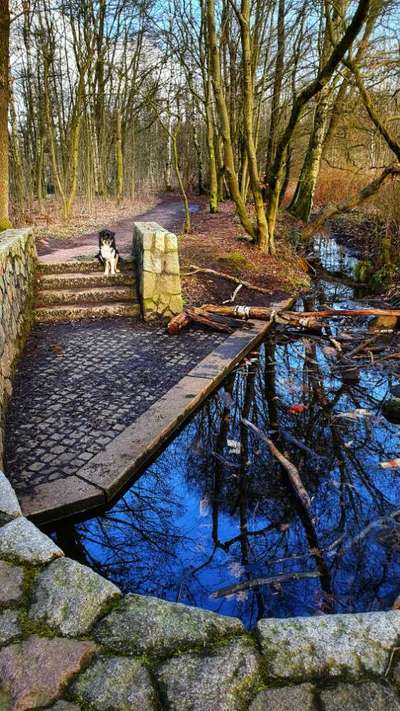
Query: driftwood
[(223, 275), (256, 582), (209, 312), (291, 470)]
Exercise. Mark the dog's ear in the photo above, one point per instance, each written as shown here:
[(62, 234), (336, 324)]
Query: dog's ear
[(111, 234), (102, 234)]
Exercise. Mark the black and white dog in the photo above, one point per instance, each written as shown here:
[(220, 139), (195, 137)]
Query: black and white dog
[(108, 254)]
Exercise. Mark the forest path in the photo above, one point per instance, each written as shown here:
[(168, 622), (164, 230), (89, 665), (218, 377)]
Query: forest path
[(168, 212)]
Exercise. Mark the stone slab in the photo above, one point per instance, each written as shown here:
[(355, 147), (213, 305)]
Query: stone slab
[(116, 683), (287, 698), (22, 542), (9, 626), (36, 671), (231, 351), (11, 579), (59, 498), (70, 597), (368, 696), (222, 681), (147, 625), (132, 449), (9, 505), (329, 646)]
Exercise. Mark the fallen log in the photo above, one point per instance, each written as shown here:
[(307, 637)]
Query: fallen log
[(256, 582), (329, 313), (224, 275)]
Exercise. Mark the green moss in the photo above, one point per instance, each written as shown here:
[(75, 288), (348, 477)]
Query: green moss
[(5, 224), (30, 627), (237, 261)]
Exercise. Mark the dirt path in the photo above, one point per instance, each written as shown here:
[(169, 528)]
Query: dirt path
[(168, 213)]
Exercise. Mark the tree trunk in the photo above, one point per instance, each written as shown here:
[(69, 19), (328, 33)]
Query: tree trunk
[(4, 101), (119, 159), (302, 202)]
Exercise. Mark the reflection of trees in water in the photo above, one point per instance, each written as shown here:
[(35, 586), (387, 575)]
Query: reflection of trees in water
[(155, 540)]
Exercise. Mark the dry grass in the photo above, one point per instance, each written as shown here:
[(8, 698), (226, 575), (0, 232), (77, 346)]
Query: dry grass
[(335, 186)]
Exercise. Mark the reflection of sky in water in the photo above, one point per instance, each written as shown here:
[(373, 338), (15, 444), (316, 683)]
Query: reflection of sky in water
[(206, 516)]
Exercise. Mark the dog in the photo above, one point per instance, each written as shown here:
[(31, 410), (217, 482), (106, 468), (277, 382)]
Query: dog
[(108, 254)]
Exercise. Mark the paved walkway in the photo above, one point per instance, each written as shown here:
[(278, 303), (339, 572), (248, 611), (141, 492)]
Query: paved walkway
[(169, 213), (79, 385)]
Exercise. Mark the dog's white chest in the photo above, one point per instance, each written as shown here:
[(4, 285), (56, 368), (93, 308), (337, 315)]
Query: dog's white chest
[(107, 252)]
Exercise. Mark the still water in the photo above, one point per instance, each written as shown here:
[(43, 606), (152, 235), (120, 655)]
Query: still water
[(213, 522)]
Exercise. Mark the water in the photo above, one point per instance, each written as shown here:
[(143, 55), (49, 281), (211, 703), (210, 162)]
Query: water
[(215, 511)]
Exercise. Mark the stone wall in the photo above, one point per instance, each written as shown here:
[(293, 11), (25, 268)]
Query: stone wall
[(17, 269), (70, 641), (158, 275)]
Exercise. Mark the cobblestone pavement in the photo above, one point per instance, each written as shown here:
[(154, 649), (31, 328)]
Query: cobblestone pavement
[(79, 385)]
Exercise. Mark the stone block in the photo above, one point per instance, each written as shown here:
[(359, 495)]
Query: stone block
[(142, 625), (152, 262), (70, 597), (171, 242), (329, 646), (149, 284), (9, 626), (175, 305), (21, 541), (171, 263), (35, 672), (288, 698), (367, 696), (222, 681), (116, 683), (9, 505), (11, 580), (159, 240), (169, 284)]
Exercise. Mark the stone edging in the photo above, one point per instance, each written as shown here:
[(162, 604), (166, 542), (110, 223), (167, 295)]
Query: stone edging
[(98, 481)]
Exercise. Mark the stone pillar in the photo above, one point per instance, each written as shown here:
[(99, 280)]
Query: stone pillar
[(157, 270)]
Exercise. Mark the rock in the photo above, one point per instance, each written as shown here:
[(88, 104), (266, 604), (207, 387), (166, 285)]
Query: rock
[(222, 681), (146, 624), (11, 579), (391, 410), (35, 671), (116, 683), (289, 698), (9, 506), (368, 696), (70, 597), (9, 626), (308, 647), (63, 706), (20, 540)]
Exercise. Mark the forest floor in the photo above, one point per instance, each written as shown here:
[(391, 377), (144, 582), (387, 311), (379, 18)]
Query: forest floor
[(215, 242)]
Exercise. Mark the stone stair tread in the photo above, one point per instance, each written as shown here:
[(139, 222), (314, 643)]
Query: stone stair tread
[(76, 295), (76, 279), (80, 266), (68, 312)]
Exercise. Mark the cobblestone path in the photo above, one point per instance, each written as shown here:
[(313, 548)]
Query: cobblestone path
[(79, 385)]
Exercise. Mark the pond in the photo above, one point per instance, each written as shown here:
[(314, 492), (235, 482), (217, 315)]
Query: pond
[(214, 521)]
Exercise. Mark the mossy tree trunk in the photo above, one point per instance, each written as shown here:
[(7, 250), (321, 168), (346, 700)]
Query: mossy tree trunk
[(302, 202)]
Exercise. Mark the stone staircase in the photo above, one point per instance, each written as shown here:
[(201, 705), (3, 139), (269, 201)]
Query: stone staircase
[(77, 289)]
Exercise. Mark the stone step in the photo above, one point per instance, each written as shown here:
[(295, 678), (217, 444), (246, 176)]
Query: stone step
[(95, 295), (73, 280), (80, 265), (89, 311)]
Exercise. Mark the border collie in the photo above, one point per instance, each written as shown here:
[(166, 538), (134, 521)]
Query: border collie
[(108, 254)]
